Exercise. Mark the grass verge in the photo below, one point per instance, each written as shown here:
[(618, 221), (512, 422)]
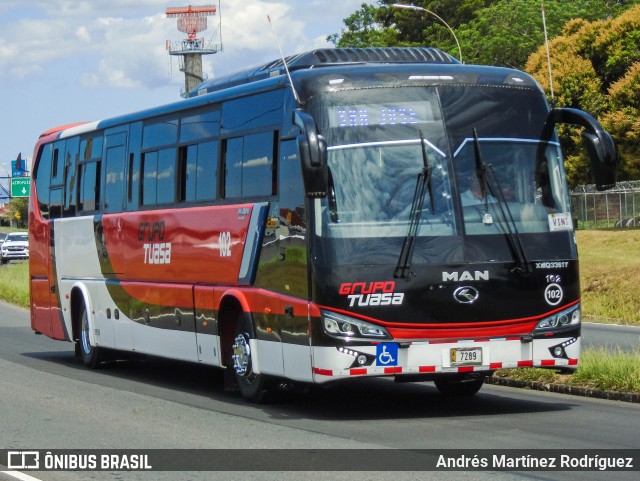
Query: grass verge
[(14, 283), (598, 369), (609, 275)]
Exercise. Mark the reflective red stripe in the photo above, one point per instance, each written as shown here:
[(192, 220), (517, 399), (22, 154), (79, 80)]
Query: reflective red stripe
[(573, 362), (525, 363), (465, 369), (495, 365), (392, 370), (357, 372), (322, 372), (427, 369), (548, 362)]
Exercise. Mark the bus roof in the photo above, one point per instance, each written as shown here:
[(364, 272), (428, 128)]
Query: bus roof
[(328, 57), (359, 64)]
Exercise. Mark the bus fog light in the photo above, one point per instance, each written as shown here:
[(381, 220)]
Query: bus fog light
[(362, 359), (558, 351)]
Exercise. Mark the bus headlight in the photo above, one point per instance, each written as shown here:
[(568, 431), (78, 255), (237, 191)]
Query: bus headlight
[(567, 318), (338, 325)]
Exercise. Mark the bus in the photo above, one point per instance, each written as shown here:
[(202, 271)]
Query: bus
[(335, 215)]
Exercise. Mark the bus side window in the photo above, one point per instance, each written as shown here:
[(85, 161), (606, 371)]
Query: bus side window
[(90, 187), (149, 178), (89, 173), (70, 174), (207, 170), (43, 179), (250, 165), (57, 178), (197, 169), (114, 166), (232, 167), (166, 185)]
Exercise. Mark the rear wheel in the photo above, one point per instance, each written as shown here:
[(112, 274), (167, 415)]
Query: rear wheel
[(253, 386), (91, 355), (458, 387)]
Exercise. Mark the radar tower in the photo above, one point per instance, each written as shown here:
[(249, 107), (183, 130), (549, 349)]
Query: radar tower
[(192, 20)]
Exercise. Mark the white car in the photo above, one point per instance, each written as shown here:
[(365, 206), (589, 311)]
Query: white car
[(15, 246)]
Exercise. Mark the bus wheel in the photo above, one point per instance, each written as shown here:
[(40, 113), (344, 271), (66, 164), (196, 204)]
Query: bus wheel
[(91, 355), (253, 387), (458, 387)]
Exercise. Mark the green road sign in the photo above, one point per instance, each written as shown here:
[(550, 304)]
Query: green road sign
[(20, 186)]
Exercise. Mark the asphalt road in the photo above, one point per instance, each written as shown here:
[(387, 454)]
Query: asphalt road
[(48, 400), (612, 337)]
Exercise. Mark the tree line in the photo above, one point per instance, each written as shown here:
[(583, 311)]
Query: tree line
[(594, 49)]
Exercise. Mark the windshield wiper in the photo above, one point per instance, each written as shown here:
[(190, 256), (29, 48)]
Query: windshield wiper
[(423, 184), (487, 178)]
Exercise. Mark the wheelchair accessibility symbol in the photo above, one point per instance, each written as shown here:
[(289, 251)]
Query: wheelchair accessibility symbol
[(387, 355)]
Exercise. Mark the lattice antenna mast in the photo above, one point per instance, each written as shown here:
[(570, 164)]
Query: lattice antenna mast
[(192, 20)]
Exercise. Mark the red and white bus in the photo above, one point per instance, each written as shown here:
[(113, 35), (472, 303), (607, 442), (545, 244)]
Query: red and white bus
[(380, 212)]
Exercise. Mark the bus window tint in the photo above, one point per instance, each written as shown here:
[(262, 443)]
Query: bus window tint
[(197, 171), (70, 190), (249, 166), (233, 167), (149, 177), (257, 165), (166, 176), (89, 193), (115, 168), (200, 126), (254, 111), (207, 167), (160, 133), (43, 179)]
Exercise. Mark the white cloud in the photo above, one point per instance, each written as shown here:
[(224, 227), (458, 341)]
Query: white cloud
[(64, 60), (83, 34), (121, 43)]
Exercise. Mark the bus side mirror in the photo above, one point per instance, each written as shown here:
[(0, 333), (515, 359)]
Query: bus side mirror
[(598, 142), (312, 148)]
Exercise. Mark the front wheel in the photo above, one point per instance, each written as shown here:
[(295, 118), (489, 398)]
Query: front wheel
[(91, 355), (253, 386)]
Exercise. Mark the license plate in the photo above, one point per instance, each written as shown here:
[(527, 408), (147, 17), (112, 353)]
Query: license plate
[(466, 356)]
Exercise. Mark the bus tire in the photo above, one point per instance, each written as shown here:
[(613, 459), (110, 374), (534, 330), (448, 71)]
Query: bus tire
[(254, 387), (452, 386), (91, 355)]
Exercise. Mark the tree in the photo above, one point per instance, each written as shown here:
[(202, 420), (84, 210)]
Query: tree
[(18, 211), (596, 67), (594, 45), (493, 32), (363, 30)]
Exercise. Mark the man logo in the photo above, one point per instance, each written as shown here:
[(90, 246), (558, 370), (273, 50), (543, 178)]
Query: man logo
[(466, 295), (465, 276)]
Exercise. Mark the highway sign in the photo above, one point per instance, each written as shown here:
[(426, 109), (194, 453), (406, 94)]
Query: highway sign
[(20, 186)]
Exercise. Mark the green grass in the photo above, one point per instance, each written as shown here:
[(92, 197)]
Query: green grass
[(598, 369), (14, 283), (610, 275)]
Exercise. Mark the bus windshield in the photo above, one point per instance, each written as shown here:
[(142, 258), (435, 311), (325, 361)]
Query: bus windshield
[(375, 155)]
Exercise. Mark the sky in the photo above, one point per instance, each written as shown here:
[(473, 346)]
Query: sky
[(64, 61)]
